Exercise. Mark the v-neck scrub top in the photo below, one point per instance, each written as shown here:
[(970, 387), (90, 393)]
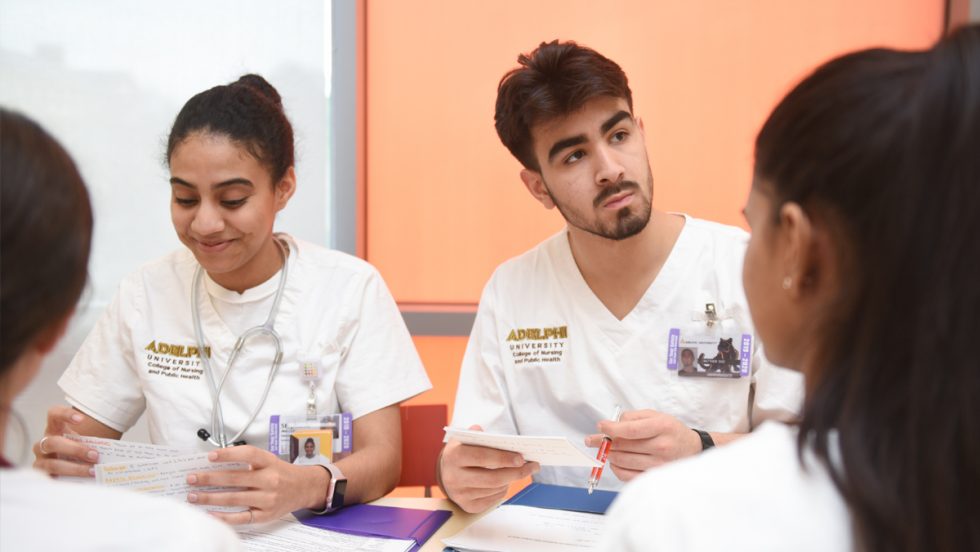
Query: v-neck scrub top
[(335, 310), (547, 358)]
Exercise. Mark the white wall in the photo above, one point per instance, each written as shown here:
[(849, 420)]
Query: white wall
[(107, 78)]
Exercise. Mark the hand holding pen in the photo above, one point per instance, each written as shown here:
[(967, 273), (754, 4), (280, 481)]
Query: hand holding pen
[(603, 453), (644, 439)]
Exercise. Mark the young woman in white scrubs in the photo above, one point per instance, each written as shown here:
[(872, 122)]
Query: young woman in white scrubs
[(41, 278), (861, 273), (344, 345)]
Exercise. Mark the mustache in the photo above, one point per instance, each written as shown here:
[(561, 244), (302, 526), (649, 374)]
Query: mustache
[(613, 190)]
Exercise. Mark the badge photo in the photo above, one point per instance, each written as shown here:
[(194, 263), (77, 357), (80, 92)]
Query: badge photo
[(715, 349)]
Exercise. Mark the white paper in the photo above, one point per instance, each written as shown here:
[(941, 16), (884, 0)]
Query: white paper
[(514, 528), (114, 450), (287, 535), (547, 451), (167, 476)]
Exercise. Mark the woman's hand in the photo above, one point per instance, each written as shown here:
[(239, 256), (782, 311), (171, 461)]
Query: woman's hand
[(270, 489), (60, 456)]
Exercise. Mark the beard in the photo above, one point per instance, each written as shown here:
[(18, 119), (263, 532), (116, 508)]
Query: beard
[(629, 221)]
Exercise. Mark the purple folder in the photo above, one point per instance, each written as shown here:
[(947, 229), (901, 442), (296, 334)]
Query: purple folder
[(368, 520)]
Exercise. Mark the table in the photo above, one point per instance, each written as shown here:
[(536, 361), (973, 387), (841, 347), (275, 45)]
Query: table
[(459, 520)]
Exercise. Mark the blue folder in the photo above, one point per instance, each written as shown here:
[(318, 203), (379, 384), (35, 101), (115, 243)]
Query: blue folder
[(368, 520), (555, 497)]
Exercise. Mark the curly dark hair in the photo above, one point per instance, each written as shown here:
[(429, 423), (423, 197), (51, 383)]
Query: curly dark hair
[(248, 111)]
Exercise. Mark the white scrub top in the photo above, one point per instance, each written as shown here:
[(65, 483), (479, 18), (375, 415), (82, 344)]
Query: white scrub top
[(546, 357), (335, 310), (751, 495), (40, 513)]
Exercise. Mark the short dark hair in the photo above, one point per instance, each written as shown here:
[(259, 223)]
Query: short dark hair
[(248, 111), (46, 235), (883, 146), (554, 80)]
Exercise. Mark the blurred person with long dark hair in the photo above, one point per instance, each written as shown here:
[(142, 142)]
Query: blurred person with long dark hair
[(860, 273), (46, 237)]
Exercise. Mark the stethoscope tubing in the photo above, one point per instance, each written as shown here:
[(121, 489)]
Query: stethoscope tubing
[(218, 435)]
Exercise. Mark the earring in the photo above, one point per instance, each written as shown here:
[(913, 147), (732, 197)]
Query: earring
[(787, 282)]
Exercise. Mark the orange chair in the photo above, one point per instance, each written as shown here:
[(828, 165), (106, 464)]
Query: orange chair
[(422, 432)]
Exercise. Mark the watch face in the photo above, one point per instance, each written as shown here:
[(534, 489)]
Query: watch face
[(339, 488)]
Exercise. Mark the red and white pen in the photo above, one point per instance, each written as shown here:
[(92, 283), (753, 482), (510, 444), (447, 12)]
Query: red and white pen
[(603, 453)]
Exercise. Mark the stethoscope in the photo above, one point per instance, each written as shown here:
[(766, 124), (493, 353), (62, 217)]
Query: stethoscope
[(218, 434)]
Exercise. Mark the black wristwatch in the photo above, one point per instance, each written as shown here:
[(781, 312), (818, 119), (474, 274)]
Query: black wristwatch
[(706, 440)]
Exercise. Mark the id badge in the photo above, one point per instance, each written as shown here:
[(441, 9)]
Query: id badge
[(712, 350)]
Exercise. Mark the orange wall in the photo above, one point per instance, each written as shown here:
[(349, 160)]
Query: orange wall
[(441, 357), (444, 202)]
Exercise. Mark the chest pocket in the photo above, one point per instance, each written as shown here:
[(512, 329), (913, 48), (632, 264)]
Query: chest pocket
[(707, 370)]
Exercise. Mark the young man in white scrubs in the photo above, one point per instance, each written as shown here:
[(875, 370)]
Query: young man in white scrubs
[(596, 316)]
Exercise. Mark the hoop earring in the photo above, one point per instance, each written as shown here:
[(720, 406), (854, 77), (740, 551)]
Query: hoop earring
[(787, 282), (25, 447)]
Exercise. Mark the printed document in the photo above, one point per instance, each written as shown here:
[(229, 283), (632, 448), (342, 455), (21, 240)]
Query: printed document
[(513, 528), (167, 476), (287, 535), (547, 451)]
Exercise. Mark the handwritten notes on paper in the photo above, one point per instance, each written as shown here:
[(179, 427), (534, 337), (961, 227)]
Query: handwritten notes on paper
[(516, 528), (114, 450), (547, 451), (167, 476)]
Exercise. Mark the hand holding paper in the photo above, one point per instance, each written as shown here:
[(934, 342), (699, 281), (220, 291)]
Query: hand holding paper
[(164, 476), (56, 455), (269, 489), (477, 467), (476, 477)]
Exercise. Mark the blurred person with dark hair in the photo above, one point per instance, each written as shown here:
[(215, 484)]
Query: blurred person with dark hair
[(596, 315), (861, 274), (46, 237)]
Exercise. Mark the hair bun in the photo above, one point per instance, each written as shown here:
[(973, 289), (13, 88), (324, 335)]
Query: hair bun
[(260, 86)]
